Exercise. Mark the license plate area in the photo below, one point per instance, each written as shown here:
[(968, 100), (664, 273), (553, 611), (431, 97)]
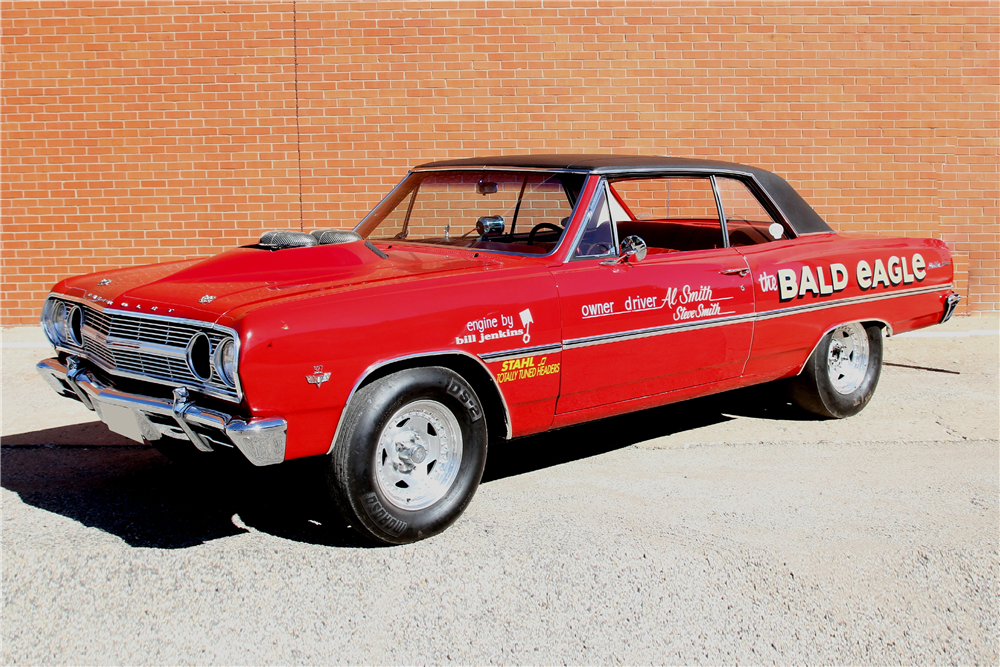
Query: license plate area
[(121, 420)]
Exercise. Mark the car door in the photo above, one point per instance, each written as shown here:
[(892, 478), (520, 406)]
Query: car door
[(681, 317)]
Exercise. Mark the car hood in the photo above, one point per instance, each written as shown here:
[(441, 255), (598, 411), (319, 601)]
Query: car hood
[(207, 289)]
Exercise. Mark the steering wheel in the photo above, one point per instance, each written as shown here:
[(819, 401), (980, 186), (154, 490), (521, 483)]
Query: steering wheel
[(542, 225)]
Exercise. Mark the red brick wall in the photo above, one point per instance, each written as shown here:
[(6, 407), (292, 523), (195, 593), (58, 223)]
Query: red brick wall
[(139, 132)]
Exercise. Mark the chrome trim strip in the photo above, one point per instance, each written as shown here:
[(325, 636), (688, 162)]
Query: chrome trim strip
[(141, 347), (440, 353), (520, 352), (766, 315), (653, 331), (792, 310), (610, 172), (547, 170), (97, 305), (382, 200), (721, 210), (587, 215)]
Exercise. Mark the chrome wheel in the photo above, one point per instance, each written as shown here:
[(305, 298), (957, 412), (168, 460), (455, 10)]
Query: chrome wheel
[(847, 357), (419, 454)]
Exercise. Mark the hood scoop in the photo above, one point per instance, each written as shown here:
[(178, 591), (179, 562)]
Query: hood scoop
[(280, 239), (335, 236)]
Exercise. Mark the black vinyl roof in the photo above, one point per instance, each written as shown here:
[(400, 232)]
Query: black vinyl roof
[(799, 214)]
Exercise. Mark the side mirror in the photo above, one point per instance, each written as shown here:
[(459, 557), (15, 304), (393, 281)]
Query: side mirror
[(490, 225), (631, 249)]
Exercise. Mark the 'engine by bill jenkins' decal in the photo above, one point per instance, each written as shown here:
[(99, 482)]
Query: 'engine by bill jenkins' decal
[(495, 328), (824, 281)]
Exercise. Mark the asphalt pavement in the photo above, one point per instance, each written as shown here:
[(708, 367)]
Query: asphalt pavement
[(727, 529)]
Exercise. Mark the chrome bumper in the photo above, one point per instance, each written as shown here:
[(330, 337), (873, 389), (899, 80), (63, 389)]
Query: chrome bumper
[(262, 441), (950, 303)]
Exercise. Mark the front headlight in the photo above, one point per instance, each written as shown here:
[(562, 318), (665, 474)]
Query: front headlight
[(62, 323), (225, 362), (48, 320), (199, 357)]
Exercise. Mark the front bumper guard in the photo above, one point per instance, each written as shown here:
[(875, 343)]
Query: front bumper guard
[(262, 441)]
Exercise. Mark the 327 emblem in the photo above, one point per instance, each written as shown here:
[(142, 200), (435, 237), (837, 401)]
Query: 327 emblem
[(318, 377)]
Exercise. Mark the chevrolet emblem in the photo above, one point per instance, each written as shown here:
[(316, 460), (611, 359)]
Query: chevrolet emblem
[(317, 378)]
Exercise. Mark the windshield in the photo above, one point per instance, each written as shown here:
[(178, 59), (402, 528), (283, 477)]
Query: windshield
[(506, 211)]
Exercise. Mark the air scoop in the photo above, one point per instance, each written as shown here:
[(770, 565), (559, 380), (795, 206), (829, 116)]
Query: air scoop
[(335, 236), (280, 239)]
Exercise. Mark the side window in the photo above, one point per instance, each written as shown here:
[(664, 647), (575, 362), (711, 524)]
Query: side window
[(671, 214), (747, 221), (598, 237)]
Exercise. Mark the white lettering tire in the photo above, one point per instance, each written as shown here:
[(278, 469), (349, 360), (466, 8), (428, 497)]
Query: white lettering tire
[(409, 456), (841, 374)]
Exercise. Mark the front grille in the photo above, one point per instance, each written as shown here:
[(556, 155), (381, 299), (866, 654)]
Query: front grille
[(166, 364), (97, 320), (95, 349), (152, 331)]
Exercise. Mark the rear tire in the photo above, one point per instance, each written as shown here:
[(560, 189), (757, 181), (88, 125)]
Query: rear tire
[(410, 455), (841, 374)]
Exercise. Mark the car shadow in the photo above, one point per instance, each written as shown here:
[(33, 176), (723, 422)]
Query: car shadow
[(133, 492), (535, 452)]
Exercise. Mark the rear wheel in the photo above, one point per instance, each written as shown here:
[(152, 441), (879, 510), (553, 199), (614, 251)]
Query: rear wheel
[(410, 455), (842, 373)]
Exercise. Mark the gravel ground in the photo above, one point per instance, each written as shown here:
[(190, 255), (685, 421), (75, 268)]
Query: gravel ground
[(727, 529)]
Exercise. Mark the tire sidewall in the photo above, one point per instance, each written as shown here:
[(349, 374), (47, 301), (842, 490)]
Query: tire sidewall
[(383, 520), (844, 405)]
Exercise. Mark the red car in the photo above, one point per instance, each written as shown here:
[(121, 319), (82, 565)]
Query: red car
[(483, 300)]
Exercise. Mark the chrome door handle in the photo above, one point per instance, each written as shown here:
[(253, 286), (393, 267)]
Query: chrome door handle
[(732, 272)]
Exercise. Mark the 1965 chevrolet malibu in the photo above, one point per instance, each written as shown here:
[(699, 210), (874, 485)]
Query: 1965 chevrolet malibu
[(482, 300)]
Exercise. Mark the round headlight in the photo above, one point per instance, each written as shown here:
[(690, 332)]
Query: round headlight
[(225, 362), (74, 325), (49, 320), (59, 322), (199, 357)]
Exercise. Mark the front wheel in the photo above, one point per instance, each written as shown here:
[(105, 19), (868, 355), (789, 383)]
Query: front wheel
[(841, 375), (410, 455)]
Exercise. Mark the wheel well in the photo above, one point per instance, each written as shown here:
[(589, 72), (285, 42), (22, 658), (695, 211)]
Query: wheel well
[(885, 326), (882, 324), (472, 371)]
